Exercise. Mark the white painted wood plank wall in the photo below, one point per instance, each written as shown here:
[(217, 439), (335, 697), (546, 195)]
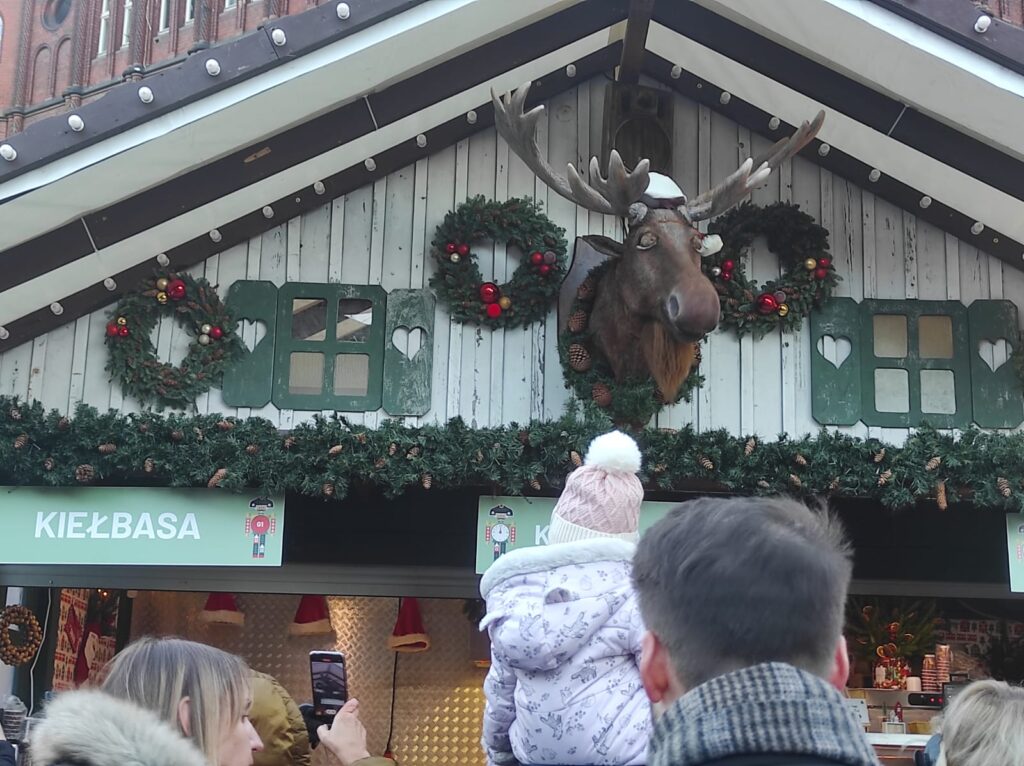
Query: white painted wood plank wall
[(381, 235)]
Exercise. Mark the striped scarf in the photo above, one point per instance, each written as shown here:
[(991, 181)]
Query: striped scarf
[(765, 709)]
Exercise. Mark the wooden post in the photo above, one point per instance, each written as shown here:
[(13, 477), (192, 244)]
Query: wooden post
[(635, 42)]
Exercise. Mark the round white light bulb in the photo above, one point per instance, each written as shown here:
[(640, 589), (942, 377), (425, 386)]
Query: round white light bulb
[(421, 140), (343, 11), (471, 117), (8, 152), (926, 201), (4, 335), (677, 72), (977, 228), (571, 70), (215, 235), (163, 260), (824, 149), (57, 309), (874, 175), (725, 98), (319, 187), (146, 95), (279, 38), (76, 123), (982, 24), (370, 164), (110, 284), (268, 211), (773, 123), (212, 67)]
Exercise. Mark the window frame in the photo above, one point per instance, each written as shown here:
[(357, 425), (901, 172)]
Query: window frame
[(190, 11), (126, 24), (164, 22), (103, 41)]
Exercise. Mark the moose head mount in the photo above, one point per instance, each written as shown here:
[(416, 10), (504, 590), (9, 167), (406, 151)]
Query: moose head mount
[(654, 304)]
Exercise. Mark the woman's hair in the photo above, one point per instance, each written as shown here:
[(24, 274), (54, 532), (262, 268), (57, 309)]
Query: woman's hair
[(984, 726), (157, 673)]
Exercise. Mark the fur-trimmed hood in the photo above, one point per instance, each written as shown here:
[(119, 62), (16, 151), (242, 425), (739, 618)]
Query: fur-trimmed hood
[(543, 558), (90, 728)]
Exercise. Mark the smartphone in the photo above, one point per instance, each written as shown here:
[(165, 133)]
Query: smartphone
[(330, 683)]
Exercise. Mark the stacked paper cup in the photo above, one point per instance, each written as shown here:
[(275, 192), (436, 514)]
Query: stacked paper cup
[(929, 675), (943, 659)]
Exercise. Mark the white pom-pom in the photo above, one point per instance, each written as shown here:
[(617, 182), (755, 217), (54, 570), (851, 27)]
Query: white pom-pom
[(614, 452)]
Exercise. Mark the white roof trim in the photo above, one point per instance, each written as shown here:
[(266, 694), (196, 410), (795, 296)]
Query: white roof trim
[(52, 286), (246, 113), (908, 62), (945, 184)]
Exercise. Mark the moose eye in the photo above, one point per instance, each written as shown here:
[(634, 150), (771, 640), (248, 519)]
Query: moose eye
[(647, 240)]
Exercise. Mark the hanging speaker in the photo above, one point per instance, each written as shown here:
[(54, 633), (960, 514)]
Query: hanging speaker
[(638, 124)]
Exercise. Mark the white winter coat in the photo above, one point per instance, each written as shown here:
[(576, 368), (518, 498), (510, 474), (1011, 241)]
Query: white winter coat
[(564, 684)]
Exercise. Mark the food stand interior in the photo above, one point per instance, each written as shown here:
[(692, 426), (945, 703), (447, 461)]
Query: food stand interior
[(368, 551)]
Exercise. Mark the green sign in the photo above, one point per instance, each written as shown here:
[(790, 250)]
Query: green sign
[(139, 526), (507, 523), (1015, 546)]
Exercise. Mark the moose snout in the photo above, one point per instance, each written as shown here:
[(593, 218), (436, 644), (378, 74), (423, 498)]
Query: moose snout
[(693, 314)]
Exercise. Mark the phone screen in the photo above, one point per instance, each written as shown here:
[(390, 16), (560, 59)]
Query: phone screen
[(330, 682)]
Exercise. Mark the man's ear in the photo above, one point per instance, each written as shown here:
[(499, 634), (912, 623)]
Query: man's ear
[(840, 666), (655, 669), (185, 716), (604, 245)]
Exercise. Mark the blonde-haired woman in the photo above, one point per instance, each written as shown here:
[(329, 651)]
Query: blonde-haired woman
[(984, 726)]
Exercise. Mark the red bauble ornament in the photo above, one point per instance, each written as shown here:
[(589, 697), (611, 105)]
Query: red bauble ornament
[(112, 330), (537, 258), (216, 333), (825, 262), (176, 289), (544, 269), (489, 292), (462, 250), (450, 248), (725, 276), (820, 272), (728, 265), (767, 304), (493, 310), (123, 331)]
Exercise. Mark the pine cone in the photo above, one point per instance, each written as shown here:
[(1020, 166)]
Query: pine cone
[(885, 478), (427, 481), (800, 460), (414, 452), (535, 485), (880, 455), (63, 424), (149, 465), (660, 468), (575, 459), (795, 480), (601, 395), (336, 450), (107, 449), (579, 358), (199, 433), (524, 438), (392, 449), (85, 473), (705, 463), (21, 441), (586, 290), (578, 321), (361, 437), (1004, 487), (751, 445), (479, 456), (934, 463), (253, 449), (177, 436), (833, 485), (698, 355), (225, 425), (940, 496), (327, 489), (49, 464), (380, 463), (289, 442), (217, 478), (14, 413)]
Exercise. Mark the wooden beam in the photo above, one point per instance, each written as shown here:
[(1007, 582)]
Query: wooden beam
[(635, 42)]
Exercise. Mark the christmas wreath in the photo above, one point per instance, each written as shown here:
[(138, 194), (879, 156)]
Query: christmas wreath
[(19, 652), (133, 360), (633, 401), (808, 276), (522, 300)]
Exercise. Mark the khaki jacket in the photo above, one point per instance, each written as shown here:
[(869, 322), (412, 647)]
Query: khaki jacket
[(279, 723)]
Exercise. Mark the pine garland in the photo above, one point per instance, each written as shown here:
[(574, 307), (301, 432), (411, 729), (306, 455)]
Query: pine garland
[(527, 296), (802, 248), (151, 449)]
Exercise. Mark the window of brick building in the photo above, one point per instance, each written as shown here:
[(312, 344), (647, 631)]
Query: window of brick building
[(126, 27), (104, 39), (165, 15), (190, 11)]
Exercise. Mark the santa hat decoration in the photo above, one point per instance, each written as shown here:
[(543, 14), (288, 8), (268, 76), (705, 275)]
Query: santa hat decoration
[(312, 618), (221, 609), (409, 634)]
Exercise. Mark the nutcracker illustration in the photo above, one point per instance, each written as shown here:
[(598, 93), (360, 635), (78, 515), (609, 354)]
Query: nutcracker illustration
[(500, 530), (259, 523)]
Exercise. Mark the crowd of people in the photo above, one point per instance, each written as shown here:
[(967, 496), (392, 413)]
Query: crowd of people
[(714, 638)]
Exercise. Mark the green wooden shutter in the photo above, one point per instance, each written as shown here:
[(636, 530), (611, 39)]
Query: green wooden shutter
[(995, 393), (407, 379), (249, 382), (835, 362)]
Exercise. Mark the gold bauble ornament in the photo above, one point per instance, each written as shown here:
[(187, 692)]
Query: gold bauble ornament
[(811, 264), (161, 284), (455, 257), (783, 309), (161, 297), (205, 329), (121, 321), (505, 302), (204, 340)]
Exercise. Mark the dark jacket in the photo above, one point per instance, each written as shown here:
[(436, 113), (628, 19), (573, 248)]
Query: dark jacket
[(6, 754), (90, 728)]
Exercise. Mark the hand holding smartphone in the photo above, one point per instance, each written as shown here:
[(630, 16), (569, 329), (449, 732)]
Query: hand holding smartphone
[(330, 683)]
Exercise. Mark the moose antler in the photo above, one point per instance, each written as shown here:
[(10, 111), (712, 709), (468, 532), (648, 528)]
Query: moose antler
[(612, 195), (737, 186)]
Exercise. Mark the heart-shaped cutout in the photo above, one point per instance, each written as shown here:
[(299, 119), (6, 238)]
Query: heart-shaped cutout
[(995, 353), (409, 340), (251, 333), (835, 350)]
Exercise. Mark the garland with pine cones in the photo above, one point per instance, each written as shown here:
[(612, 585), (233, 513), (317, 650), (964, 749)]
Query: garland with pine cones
[(133, 360)]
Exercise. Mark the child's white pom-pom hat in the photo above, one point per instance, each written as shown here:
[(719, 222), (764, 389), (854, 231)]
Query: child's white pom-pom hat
[(602, 498)]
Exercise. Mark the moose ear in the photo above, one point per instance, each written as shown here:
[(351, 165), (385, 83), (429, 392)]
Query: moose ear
[(604, 245)]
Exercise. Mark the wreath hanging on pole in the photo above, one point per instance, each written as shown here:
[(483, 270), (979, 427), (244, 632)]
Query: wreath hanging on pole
[(633, 402), (522, 300), (808, 276), (133, 361), (31, 635)]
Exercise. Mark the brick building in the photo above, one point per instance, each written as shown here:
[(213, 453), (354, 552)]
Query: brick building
[(55, 54)]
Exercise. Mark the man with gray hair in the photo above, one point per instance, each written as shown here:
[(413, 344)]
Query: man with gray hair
[(744, 659)]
